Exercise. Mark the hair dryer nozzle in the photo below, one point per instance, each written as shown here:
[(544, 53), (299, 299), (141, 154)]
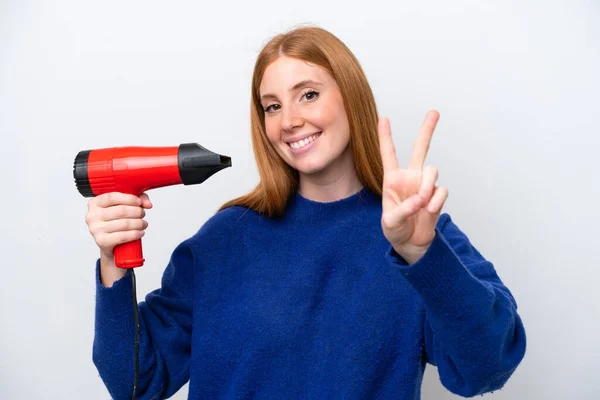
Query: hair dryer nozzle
[(80, 173), (197, 164)]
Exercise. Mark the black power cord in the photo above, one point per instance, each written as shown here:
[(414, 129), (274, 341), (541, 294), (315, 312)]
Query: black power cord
[(137, 334)]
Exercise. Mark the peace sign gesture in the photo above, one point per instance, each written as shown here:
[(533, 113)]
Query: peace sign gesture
[(411, 200)]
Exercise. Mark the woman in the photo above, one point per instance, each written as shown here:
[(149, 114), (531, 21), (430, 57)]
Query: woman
[(337, 276)]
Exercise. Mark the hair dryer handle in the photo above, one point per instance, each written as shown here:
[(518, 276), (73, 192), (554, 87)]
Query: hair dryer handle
[(129, 255)]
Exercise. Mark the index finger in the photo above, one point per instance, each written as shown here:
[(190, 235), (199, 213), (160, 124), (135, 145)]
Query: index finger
[(386, 146), (421, 146), (117, 198)]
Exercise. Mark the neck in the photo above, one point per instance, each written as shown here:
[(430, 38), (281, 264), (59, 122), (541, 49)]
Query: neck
[(337, 181)]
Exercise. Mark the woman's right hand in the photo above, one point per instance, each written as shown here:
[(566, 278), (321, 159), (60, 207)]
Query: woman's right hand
[(116, 218)]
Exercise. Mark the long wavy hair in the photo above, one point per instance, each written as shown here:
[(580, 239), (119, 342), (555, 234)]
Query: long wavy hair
[(279, 181)]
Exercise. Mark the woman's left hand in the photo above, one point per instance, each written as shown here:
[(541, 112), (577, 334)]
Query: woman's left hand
[(411, 200)]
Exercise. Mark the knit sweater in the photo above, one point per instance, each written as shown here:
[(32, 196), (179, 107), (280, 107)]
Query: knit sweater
[(313, 305)]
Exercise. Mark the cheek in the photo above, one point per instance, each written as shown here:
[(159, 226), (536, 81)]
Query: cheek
[(324, 116), (331, 114), (271, 130)]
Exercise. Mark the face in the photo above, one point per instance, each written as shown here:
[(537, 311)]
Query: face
[(305, 118)]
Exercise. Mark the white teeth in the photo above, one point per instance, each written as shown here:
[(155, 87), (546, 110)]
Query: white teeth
[(301, 143)]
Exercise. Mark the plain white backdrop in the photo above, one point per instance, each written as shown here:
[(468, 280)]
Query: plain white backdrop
[(516, 84)]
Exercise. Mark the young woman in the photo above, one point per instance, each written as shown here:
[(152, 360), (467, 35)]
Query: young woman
[(338, 276)]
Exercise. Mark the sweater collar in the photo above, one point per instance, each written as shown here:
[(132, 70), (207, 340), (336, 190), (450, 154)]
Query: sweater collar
[(301, 208)]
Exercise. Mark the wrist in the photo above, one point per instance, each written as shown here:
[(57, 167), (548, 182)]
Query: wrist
[(411, 253), (109, 272), (107, 256), (410, 257)]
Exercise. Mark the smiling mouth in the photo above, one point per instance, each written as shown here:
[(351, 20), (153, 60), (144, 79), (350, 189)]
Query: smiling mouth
[(304, 142)]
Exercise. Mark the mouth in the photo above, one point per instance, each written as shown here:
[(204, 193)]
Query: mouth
[(304, 143)]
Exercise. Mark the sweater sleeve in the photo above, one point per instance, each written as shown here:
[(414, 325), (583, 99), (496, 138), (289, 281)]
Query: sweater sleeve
[(165, 320), (472, 331)]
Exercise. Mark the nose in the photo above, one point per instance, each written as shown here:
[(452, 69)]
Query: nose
[(291, 119)]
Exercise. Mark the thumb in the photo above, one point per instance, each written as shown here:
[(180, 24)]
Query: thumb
[(146, 203)]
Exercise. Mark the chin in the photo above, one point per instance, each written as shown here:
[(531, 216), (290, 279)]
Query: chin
[(309, 169)]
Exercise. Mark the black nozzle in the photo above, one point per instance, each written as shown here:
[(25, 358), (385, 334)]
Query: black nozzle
[(80, 173), (197, 164)]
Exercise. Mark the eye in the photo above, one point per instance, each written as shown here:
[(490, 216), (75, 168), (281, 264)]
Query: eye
[(310, 95), (266, 109)]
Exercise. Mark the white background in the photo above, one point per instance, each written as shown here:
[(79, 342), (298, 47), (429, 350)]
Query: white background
[(516, 86)]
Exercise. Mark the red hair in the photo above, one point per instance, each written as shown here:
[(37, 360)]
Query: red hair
[(278, 181)]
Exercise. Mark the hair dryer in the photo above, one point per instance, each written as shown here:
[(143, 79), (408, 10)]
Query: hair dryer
[(134, 170)]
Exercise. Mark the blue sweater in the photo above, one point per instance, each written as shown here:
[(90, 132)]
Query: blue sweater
[(314, 305)]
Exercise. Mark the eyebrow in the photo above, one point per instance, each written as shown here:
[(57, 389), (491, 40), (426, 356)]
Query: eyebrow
[(295, 87)]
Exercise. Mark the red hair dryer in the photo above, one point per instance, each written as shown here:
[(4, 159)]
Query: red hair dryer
[(134, 170)]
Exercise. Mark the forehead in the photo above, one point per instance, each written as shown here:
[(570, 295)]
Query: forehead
[(284, 72)]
